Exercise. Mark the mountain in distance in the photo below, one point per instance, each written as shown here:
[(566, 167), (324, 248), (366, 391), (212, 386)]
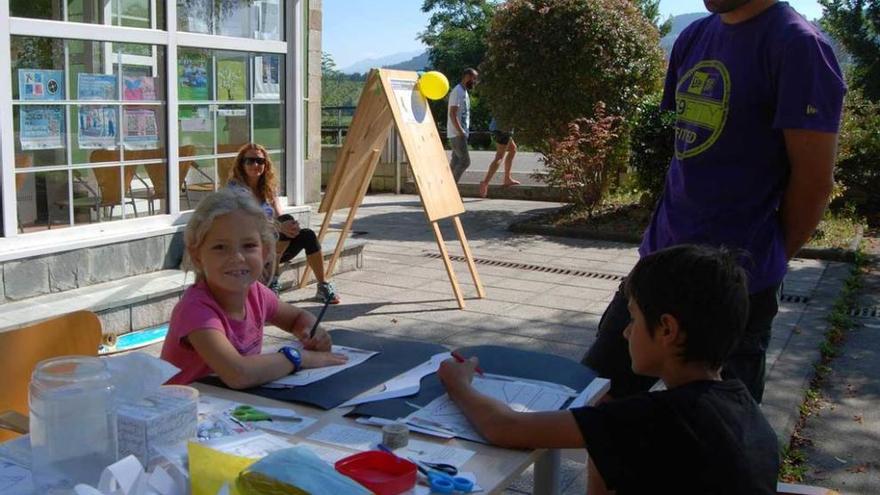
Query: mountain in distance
[(365, 65), (417, 63), (679, 22)]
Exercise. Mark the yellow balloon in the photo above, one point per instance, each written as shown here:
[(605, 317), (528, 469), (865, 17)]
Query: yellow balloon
[(433, 85)]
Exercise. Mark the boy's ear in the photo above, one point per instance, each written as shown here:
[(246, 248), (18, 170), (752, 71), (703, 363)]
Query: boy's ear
[(669, 331)]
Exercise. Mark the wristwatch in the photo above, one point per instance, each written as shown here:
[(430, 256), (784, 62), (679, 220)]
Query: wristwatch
[(293, 355)]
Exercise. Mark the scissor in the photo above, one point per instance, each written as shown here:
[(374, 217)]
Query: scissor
[(249, 413), (423, 466)]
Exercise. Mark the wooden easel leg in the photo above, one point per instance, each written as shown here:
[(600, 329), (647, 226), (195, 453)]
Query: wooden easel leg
[(449, 270), (469, 257), (365, 183), (325, 225)]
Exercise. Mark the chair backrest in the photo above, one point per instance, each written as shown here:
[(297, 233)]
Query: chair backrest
[(224, 165), (77, 333), (108, 177), (157, 173), (22, 161)]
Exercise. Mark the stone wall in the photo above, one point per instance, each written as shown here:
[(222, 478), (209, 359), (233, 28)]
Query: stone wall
[(312, 163)]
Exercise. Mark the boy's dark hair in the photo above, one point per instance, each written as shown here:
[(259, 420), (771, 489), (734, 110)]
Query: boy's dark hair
[(703, 288), (470, 71)]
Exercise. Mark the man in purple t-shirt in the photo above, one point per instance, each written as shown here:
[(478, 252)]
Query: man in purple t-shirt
[(757, 93)]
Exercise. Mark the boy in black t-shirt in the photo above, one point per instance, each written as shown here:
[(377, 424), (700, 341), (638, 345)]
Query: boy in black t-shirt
[(702, 435)]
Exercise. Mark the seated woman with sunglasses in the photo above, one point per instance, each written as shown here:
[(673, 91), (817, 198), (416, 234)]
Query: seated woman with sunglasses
[(254, 172)]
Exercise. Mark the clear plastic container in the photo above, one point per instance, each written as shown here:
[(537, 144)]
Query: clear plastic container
[(72, 423)]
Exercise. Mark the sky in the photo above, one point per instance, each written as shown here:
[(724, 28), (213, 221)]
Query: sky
[(358, 29)]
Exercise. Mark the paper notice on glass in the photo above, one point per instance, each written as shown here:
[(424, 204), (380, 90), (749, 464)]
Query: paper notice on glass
[(97, 127), (267, 77), (141, 128), (442, 412), (139, 88), (15, 479), (312, 375), (198, 120), (40, 84), (413, 106), (42, 128), (96, 87)]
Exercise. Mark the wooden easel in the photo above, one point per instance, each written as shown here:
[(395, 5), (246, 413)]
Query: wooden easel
[(392, 98)]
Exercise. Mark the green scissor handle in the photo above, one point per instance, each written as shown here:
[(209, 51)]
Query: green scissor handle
[(249, 413)]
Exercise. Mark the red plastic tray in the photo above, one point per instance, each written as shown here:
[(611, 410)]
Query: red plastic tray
[(381, 472)]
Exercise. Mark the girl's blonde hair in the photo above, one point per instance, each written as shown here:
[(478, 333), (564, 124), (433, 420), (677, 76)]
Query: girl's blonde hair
[(222, 202), (267, 185)]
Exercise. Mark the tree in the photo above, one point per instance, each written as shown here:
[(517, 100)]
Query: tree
[(456, 40), (856, 24), (550, 62), (651, 11)]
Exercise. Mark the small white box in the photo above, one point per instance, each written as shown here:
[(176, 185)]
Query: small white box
[(165, 418)]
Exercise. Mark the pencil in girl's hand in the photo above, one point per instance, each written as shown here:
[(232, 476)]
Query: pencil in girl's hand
[(458, 357)]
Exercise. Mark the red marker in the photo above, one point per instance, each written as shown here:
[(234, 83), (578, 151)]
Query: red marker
[(460, 359)]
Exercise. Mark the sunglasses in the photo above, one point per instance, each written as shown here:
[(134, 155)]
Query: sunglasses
[(254, 160)]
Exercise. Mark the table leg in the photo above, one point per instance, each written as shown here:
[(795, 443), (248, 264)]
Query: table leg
[(548, 473)]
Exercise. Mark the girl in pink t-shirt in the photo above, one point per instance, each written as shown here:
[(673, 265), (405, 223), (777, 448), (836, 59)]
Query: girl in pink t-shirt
[(217, 327)]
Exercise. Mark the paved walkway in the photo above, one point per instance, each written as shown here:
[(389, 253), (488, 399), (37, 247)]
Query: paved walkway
[(404, 291)]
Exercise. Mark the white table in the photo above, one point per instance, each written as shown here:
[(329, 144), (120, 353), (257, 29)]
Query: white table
[(495, 467)]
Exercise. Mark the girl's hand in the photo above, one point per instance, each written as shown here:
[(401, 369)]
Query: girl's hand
[(455, 375), (314, 359), (320, 342)]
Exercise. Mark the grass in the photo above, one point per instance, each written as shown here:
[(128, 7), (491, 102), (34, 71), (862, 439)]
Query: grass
[(794, 461), (621, 213)]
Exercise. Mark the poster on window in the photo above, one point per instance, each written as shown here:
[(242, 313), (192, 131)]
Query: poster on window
[(96, 87), (42, 128), (139, 88), (195, 120), (141, 129), (41, 84), (267, 77), (192, 71), (231, 80), (97, 127)]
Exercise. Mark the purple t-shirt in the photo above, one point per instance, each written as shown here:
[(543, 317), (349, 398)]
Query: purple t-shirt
[(734, 89)]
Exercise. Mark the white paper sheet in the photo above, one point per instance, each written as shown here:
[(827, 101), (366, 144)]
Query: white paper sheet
[(361, 439), (312, 375), (523, 397), (254, 445), (405, 384)]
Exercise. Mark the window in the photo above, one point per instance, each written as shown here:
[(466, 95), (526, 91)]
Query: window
[(256, 19), (226, 99), (89, 131), (129, 13)]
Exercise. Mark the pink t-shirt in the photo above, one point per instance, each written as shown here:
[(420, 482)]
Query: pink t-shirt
[(197, 310)]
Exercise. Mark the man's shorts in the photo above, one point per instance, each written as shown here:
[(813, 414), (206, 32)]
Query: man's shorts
[(502, 137)]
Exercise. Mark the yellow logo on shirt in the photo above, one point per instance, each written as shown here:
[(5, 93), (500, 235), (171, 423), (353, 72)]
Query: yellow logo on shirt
[(702, 100)]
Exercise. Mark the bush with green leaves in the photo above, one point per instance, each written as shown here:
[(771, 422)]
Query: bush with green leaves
[(578, 163), (652, 144), (548, 62), (858, 158)]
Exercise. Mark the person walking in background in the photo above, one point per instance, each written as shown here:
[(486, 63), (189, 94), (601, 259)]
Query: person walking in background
[(458, 121), (504, 145)]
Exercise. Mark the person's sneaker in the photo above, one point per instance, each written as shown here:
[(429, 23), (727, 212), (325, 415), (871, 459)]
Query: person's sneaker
[(327, 292)]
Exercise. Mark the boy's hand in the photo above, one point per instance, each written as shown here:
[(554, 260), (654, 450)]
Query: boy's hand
[(455, 375), (314, 359), (320, 342)]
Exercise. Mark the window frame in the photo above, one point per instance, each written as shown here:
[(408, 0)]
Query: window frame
[(294, 49)]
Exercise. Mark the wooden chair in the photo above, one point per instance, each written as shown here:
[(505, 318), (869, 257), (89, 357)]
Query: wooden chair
[(224, 169), (77, 333), (22, 161), (157, 172)]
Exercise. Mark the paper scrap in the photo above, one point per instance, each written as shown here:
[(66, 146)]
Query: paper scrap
[(312, 375), (253, 445), (359, 439), (405, 384)]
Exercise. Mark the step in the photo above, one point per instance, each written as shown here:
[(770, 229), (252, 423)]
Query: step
[(143, 301), (497, 191)]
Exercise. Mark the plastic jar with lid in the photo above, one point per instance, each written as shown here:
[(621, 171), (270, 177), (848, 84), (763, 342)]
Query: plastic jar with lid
[(72, 423)]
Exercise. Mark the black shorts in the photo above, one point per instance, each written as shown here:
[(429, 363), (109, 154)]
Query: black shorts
[(502, 137), (306, 240)]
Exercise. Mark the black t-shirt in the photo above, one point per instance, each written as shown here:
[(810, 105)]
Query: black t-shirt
[(705, 437)]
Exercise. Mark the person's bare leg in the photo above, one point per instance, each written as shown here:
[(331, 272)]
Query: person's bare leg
[(316, 263), (500, 149), (595, 483), (508, 164)]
